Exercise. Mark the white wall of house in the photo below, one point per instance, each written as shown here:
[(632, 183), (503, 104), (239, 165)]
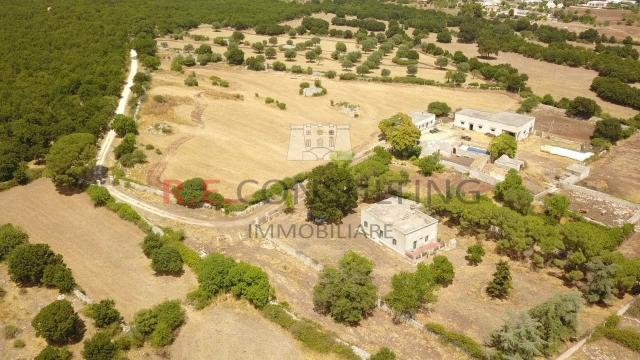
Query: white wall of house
[(490, 127), (385, 234)]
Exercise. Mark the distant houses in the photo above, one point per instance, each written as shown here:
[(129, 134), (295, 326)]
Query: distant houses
[(518, 125), (401, 225)]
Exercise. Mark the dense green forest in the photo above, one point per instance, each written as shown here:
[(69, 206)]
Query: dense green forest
[(63, 63)]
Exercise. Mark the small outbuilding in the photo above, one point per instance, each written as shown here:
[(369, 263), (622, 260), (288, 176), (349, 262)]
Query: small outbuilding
[(312, 91), (401, 225), (509, 163), (518, 125)]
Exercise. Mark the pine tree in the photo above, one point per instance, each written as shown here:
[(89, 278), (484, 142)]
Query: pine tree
[(500, 286)]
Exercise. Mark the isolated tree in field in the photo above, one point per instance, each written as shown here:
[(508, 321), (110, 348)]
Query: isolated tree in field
[(104, 313), (258, 47), (237, 36), (204, 49), (346, 292), (362, 69), (332, 192), (10, 238), (71, 159), (27, 263), (290, 54), (444, 36), (439, 108), (503, 144), (53, 353), (385, 72), (234, 55), (500, 286), (475, 253), (123, 125), (58, 323), (273, 40), (412, 70), (442, 62), (556, 206), (270, 53), (519, 338), (442, 270), (188, 48), (409, 291), (341, 47), (558, 317), (166, 260), (583, 108), (311, 56), (429, 164)]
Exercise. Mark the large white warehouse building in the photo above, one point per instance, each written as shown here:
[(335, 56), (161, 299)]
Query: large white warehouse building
[(518, 125)]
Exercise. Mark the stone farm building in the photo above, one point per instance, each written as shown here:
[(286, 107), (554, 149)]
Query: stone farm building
[(423, 120), (400, 224), (517, 125)]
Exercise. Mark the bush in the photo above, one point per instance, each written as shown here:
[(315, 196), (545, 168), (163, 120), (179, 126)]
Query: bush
[(28, 261), (463, 342), (330, 74), (10, 238), (53, 353), (99, 195), (11, 331), (383, 354), (348, 76), (584, 108), (58, 323), (151, 243), (439, 108), (279, 66), (104, 313), (19, 344), (278, 315), (58, 276), (99, 347), (124, 125), (166, 260), (159, 323)]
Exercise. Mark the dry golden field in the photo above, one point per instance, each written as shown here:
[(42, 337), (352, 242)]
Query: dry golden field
[(546, 78), (230, 134), (102, 250)]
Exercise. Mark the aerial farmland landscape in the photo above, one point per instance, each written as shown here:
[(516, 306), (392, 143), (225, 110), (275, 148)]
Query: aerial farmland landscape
[(320, 179)]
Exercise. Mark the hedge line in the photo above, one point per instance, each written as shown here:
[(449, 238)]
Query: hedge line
[(461, 341)]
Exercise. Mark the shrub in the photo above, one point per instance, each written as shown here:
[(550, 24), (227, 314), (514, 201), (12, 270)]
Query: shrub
[(19, 344), (278, 315), (348, 76), (11, 331), (28, 261), (438, 108), (104, 313), (53, 353), (166, 260), (281, 106), (474, 254), (330, 74), (279, 66), (10, 238), (383, 354), (58, 323), (58, 276), (463, 342), (99, 347), (99, 195), (151, 243), (584, 108), (159, 323)]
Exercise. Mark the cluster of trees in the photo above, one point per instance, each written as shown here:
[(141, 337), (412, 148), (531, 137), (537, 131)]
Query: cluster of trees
[(193, 193), (127, 152), (610, 130), (616, 91), (158, 324), (374, 178), (33, 264), (504, 74), (540, 331), (585, 251), (368, 24), (219, 274), (400, 132), (165, 259), (410, 290), (346, 292)]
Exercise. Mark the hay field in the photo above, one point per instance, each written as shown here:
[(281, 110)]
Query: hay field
[(221, 137), (102, 250), (546, 78)]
